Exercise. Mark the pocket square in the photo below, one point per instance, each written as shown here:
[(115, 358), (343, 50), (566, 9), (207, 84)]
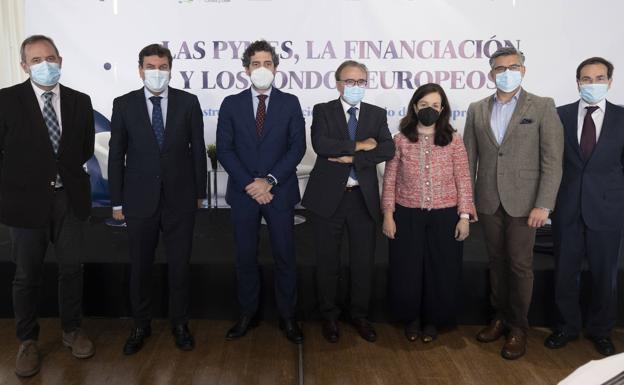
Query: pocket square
[(526, 121)]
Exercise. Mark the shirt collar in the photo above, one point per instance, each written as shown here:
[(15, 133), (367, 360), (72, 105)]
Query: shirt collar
[(513, 98), (346, 106), (39, 92), (148, 94), (601, 105), (255, 93)]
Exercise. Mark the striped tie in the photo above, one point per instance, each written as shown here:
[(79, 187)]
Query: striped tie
[(51, 121)]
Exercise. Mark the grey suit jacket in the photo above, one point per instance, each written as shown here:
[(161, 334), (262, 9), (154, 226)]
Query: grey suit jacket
[(524, 171)]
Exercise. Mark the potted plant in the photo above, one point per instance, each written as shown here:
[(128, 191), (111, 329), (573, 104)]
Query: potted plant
[(211, 150)]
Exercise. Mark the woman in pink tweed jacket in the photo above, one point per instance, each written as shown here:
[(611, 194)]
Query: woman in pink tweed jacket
[(427, 205)]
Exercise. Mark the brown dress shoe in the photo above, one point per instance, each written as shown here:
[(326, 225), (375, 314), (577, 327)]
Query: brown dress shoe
[(492, 332), (515, 345), (28, 362), (79, 344)]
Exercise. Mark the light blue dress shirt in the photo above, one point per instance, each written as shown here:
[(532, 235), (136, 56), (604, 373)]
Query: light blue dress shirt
[(501, 115)]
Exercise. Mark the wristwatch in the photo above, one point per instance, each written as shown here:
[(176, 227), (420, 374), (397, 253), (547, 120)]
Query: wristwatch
[(271, 180), (464, 216)]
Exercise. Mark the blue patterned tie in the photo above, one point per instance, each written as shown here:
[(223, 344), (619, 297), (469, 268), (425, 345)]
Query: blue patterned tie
[(51, 121), (157, 121), (352, 127)]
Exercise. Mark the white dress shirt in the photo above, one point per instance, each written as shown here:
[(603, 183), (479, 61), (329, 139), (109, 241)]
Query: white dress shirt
[(163, 103), (56, 105), (345, 106), (598, 117)]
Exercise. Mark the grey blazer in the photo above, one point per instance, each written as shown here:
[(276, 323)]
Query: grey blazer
[(524, 171)]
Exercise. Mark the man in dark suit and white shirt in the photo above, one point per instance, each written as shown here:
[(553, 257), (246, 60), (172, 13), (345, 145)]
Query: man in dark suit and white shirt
[(260, 142), (46, 137), (157, 178), (350, 138), (587, 222)]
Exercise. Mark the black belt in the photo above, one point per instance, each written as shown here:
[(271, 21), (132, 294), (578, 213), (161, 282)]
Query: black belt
[(352, 188), (57, 189)]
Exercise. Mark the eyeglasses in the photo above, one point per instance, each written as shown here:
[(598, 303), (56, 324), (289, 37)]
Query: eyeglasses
[(501, 69), (353, 83)]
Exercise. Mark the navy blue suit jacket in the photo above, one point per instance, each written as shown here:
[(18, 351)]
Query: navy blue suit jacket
[(593, 189), (245, 155), (139, 171)]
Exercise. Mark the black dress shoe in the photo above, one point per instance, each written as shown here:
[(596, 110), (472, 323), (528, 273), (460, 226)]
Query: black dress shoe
[(558, 340), (183, 338), (430, 333), (134, 343), (331, 332), (603, 345), (365, 329), (241, 327), (292, 330), (412, 331)]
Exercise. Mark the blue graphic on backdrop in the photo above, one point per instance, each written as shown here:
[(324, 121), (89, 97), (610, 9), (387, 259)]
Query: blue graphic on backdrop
[(97, 166)]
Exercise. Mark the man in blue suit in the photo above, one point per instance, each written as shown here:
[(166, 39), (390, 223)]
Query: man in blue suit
[(587, 221), (260, 142), (157, 179)]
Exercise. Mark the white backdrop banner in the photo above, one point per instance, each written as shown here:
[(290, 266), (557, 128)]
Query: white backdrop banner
[(404, 43)]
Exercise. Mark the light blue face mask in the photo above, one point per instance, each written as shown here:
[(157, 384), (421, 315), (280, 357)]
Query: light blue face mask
[(593, 93), (509, 80), (45, 73), (353, 95)]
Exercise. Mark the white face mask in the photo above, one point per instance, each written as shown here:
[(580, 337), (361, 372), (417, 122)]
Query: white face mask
[(262, 78), (156, 80)]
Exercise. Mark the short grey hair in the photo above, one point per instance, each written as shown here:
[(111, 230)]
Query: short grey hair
[(35, 39), (506, 51), (350, 63)]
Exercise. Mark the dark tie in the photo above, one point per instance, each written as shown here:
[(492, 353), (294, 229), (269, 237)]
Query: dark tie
[(158, 125), (49, 116), (588, 135), (352, 127), (260, 114)]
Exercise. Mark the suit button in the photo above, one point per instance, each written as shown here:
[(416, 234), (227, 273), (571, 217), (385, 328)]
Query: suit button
[(157, 176), (500, 154)]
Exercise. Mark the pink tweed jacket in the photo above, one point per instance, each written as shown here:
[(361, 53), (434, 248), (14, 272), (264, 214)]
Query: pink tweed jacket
[(423, 175)]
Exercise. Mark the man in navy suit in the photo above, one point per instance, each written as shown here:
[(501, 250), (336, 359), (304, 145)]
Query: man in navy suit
[(260, 142), (587, 221), (157, 179)]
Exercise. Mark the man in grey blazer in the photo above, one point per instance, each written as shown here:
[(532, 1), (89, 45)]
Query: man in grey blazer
[(514, 141)]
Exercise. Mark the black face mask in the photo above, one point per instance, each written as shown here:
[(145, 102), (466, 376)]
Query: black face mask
[(428, 116)]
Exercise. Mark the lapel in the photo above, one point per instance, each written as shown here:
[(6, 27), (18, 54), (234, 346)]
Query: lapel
[(524, 101), (247, 107), (29, 100), (145, 125), (68, 109), (172, 110), (338, 116), (273, 110), (570, 127), (486, 113), (608, 125), (364, 122)]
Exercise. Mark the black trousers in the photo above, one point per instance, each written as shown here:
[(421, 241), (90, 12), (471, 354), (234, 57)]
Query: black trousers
[(425, 266), (29, 246), (353, 215), (573, 243), (246, 220), (177, 235)]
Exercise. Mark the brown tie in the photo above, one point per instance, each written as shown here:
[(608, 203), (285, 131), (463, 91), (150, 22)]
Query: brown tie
[(260, 114), (588, 135)]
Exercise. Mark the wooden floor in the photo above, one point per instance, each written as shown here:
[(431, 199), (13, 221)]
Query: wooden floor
[(266, 357)]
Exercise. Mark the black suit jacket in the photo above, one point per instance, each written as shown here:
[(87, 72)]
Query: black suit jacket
[(330, 138), (593, 189), (139, 171), (28, 166)]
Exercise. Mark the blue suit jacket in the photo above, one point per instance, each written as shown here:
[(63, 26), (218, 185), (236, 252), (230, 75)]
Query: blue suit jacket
[(593, 189), (246, 156), (139, 171)]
